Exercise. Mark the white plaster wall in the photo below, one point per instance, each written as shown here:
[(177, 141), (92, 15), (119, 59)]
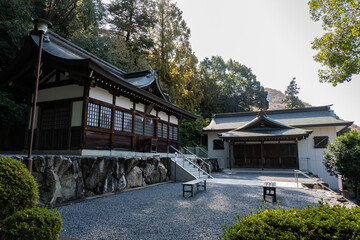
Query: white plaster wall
[(124, 102), (221, 155), (311, 158), (101, 94), (163, 116), (153, 112), (174, 120), (76, 115), (58, 93), (36, 117), (140, 107)]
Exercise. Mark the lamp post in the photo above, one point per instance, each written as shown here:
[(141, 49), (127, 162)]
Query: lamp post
[(40, 28)]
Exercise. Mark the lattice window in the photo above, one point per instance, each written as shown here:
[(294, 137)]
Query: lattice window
[(149, 127), (61, 117), (119, 117), (218, 145), (47, 119), (321, 141), (93, 115), (165, 130), (139, 125), (160, 131), (171, 132), (175, 133), (105, 117), (127, 122)]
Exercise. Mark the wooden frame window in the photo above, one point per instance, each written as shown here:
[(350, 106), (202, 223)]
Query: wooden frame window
[(122, 121), (162, 130), (173, 133), (218, 144), (128, 122), (321, 141), (149, 127), (93, 115), (105, 117), (119, 120), (139, 125), (99, 116)]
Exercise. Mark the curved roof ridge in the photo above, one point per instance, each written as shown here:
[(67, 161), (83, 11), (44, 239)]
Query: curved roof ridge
[(260, 117), (276, 111)]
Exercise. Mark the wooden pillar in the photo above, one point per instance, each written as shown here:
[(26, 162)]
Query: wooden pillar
[(262, 154), (297, 154), (133, 142), (230, 155), (84, 116), (112, 122)]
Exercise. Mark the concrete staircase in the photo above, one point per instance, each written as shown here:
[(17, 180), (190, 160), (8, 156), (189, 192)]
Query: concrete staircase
[(184, 168)]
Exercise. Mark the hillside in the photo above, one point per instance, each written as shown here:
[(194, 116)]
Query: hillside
[(275, 97)]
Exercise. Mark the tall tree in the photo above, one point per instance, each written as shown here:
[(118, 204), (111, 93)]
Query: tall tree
[(131, 21), (343, 157), (68, 17), (339, 48), (173, 56), (291, 99), (229, 87)]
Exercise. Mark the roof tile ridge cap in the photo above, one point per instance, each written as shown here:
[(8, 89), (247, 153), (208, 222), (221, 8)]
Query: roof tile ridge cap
[(86, 52)]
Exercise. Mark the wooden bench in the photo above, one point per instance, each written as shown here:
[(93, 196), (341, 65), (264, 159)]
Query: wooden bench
[(197, 183), (270, 190)]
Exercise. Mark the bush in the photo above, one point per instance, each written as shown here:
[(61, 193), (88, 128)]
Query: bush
[(35, 223), (320, 222), (18, 189)]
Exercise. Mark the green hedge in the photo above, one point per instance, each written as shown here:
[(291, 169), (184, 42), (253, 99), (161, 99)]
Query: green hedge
[(320, 222), (18, 188), (32, 224)]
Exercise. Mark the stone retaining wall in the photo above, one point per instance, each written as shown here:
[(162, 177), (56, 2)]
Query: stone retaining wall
[(64, 178)]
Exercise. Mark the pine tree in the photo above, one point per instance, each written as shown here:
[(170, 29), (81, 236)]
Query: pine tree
[(291, 99)]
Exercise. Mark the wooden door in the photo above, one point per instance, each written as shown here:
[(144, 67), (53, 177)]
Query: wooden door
[(54, 127)]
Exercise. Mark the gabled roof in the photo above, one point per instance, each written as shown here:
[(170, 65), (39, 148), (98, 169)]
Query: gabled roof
[(66, 56), (264, 128), (299, 118)]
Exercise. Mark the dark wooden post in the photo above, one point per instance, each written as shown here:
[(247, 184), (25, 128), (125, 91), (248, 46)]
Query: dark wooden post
[(41, 26), (262, 154)]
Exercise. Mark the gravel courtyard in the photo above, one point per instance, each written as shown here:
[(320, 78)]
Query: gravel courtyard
[(160, 212)]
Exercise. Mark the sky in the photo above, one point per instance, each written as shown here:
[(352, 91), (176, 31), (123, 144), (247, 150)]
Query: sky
[(273, 38)]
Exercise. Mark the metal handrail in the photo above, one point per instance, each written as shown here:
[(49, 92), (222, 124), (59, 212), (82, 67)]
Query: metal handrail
[(191, 162), (296, 172), (202, 160)]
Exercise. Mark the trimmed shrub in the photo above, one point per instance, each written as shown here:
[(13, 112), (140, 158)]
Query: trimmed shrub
[(18, 189), (35, 223), (320, 222)]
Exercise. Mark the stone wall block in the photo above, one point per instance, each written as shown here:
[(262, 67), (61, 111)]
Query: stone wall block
[(130, 164), (134, 178), (163, 172), (67, 178)]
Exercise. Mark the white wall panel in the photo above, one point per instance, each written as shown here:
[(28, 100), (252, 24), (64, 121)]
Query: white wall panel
[(76, 115), (124, 102), (174, 120), (163, 116), (312, 159), (58, 93), (221, 155), (101, 95), (140, 107)]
